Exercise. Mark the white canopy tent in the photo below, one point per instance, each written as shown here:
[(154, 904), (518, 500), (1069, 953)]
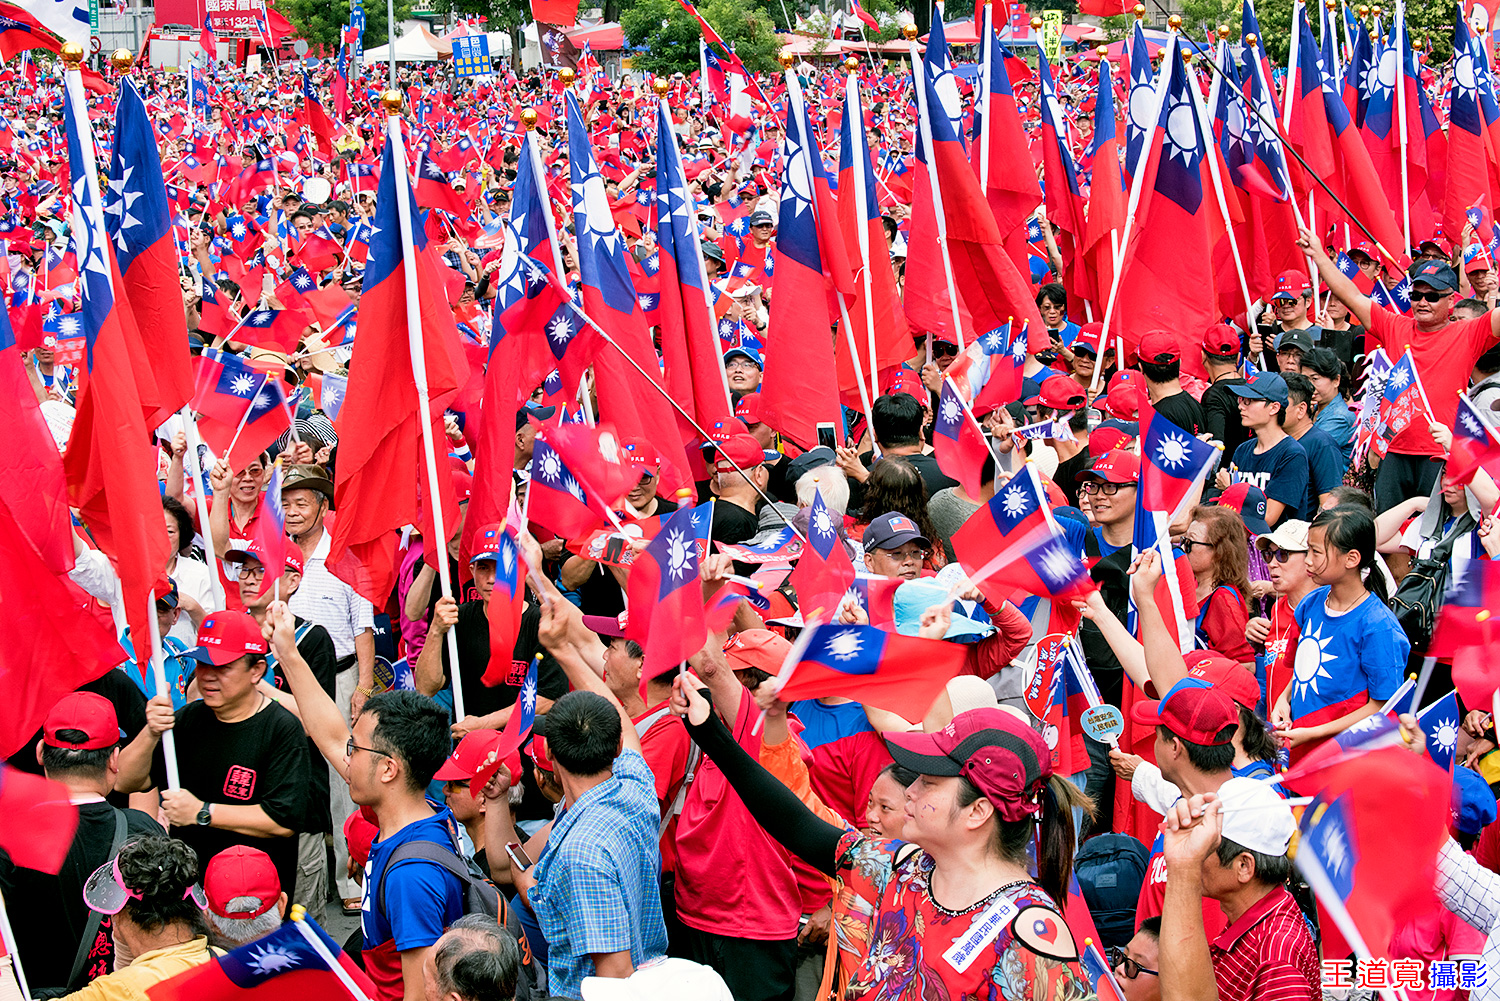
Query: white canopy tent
[(415, 45)]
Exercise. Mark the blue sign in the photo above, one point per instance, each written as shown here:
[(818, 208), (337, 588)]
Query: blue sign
[(471, 55)]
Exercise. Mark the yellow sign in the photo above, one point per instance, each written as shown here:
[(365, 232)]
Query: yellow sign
[(1052, 25)]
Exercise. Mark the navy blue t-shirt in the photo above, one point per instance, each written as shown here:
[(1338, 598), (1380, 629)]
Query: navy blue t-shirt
[(1281, 473), (1325, 464)]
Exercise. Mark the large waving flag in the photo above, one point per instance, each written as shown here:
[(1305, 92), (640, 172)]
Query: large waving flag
[(1013, 538), (824, 571), (68, 19), (665, 597), (32, 484), (1168, 277), (689, 341), (295, 960), (1475, 445), (1468, 618), (1065, 200), (800, 387), (1002, 144), (1107, 193), (110, 463), (876, 320), (577, 474), (950, 213), (380, 467), (140, 224), (1369, 874), (1469, 173), (901, 674), (635, 402)]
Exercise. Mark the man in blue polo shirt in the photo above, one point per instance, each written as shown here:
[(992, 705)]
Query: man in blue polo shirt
[(1273, 460)]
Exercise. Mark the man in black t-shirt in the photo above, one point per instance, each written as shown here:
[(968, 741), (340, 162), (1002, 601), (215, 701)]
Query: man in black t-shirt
[(241, 757), (1161, 364), (79, 747), (316, 647), (1221, 408), (129, 703), (485, 706)]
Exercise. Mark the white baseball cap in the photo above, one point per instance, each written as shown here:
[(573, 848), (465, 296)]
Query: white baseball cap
[(1255, 817), (665, 979)]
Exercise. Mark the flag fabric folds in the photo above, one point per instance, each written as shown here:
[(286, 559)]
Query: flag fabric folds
[(901, 674)]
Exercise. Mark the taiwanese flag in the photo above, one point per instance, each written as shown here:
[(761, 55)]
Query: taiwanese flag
[(17, 34), (318, 250), (270, 528), (1371, 872), (1468, 176), (781, 546), (1467, 619), (577, 475), (1055, 698), (989, 371), (139, 222), (1141, 99), (1107, 193), (283, 964), (314, 116), (1094, 965), (206, 40), (956, 215), (523, 716), (635, 402), (665, 598), (1401, 403), (273, 329), (223, 387), (1013, 538), (435, 191), (1474, 445), (800, 386), (40, 820), (875, 315), (877, 599), (380, 467), (214, 316), (689, 344), (1065, 200), (265, 420), (957, 440), (251, 181), (109, 462), (1013, 194), (1168, 275), (503, 608), (824, 571), (900, 674), (1172, 463)]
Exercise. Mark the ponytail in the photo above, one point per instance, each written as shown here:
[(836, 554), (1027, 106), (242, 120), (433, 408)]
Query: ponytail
[(1352, 529), (1051, 827), (1258, 741)]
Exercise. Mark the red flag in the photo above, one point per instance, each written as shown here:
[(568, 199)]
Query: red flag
[(32, 485), (901, 674), (40, 819), (665, 598), (578, 473), (507, 600), (559, 12), (380, 446), (280, 966)]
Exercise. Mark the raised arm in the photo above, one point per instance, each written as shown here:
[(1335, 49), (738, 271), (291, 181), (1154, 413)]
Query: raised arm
[(1338, 283), (321, 718), (553, 632)]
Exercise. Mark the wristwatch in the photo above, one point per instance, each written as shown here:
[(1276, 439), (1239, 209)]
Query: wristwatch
[(206, 815)]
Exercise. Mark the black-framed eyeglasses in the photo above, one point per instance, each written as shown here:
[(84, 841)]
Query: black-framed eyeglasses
[(1282, 555), (1429, 296), (941, 349), (1104, 487), (351, 747), (1129, 968), (1186, 545)]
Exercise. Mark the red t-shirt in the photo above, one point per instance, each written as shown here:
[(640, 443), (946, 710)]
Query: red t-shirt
[(733, 878), (1281, 645), (666, 746), (1444, 359), (1154, 891)]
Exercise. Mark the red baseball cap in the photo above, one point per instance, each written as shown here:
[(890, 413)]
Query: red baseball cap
[(1159, 347), (722, 431), (1088, 338), (642, 453), (241, 871), (1292, 285), (225, 637), (257, 551), (758, 648), (909, 382), (1059, 393), (739, 450), (1124, 401), (90, 714), (1125, 376), (477, 750), (1221, 340), (748, 409), (1114, 466), (1104, 439), (1005, 758), (1225, 674), (359, 834), (1194, 711)]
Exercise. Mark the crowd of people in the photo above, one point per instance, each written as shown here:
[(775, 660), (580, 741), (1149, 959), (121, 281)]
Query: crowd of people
[(519, 798)]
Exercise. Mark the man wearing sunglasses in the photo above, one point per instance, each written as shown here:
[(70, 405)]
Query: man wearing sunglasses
[(1445, 353), (1136, 964)]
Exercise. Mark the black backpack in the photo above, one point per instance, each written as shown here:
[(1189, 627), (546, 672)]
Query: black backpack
[(480, 895), (1110, 870)]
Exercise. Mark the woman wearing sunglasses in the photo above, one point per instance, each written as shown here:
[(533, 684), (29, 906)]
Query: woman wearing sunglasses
[(151, 890), (1285, 551)]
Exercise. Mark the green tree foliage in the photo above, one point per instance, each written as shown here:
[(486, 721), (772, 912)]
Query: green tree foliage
[(669, 35), (320, 21), (1429, 24)]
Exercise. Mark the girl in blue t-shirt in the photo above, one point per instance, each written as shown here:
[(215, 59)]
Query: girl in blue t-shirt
[(1350, 649)]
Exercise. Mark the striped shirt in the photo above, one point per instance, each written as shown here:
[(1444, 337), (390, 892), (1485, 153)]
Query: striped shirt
[(1268, 954), (317, 426), (324, 599), (1472, 892)]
